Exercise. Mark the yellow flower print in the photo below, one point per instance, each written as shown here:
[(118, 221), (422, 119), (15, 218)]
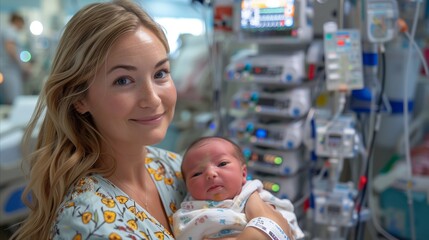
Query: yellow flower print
[(109, 216), (172, 155), (122, 199), (108, 202), (100, 194), (141, 215), (168, 181), (179, 175), (132, 224), (151, 170), (132, 209), (114, 236), (159, 235), (173, 206), (148, 160), (70, 204), (78, 236), (153, 220), (158, 177), (144, 235), (170, 219), (161, 170), (81, 182), (86, 217)]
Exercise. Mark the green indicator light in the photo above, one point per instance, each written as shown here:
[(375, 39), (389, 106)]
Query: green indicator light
[(278, 160), (25, 56), (275, 188)]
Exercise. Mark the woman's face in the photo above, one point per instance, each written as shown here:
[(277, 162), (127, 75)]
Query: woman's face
[(132, 98)]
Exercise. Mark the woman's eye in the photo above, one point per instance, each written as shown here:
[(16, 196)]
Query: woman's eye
[(162, 74), (122, 81)]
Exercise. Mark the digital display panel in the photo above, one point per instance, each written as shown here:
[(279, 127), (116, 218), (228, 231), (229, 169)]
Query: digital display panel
[(333, 209), (335, 140), (262, 15), (272, 102), (267, 70)]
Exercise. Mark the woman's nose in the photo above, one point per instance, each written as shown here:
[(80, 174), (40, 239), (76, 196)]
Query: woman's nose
[(149, 96)]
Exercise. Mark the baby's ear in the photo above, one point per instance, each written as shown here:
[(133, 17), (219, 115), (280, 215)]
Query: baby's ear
[(244, 171), (81, 107)]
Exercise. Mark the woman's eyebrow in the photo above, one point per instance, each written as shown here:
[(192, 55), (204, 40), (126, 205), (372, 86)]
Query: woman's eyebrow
[(126, 67), (162, 62)]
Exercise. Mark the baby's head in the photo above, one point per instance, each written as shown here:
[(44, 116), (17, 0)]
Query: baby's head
[(214, 168)]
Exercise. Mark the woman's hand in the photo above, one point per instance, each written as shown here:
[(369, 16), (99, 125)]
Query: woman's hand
[(255, 207)]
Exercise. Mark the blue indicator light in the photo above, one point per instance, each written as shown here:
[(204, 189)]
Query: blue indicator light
[(247, 152), (249, 127), (296, 112), (254, 97), (261, 133)]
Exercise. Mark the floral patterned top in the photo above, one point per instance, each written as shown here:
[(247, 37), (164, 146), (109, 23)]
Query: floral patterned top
[(96, 209)]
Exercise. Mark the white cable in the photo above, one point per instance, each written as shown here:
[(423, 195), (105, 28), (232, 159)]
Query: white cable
[(406, 130), (364, 155), (337, 113), (419, 52), (374, 208)]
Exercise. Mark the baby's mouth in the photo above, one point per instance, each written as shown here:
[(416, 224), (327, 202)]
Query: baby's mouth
[(214, 187)]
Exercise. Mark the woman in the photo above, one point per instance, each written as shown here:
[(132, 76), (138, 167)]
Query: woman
[(93, 174)]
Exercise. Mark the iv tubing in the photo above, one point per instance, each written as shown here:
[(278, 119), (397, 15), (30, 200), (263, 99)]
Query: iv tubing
[(406, 128)]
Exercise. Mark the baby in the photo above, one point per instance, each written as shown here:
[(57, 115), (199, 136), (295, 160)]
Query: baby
[(215, 172)]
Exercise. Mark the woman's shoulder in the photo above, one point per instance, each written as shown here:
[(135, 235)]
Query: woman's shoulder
[(88, 191), (163, 154), (164, 157)]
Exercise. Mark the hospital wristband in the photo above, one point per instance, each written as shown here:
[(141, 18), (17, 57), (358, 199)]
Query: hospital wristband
[(269, 227)]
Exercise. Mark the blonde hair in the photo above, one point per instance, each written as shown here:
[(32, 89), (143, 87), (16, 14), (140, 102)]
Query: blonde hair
[(69, 145)]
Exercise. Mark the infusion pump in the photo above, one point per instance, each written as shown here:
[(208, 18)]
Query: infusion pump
[(334, 207), (287, 135), (293, 103), (336, 138), (285, 69)]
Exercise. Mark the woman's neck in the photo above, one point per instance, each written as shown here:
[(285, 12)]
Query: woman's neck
[(130, 164)]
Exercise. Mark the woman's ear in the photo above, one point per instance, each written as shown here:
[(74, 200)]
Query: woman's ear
[(81, 107)]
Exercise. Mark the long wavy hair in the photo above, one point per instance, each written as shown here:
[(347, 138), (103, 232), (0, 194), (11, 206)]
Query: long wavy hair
[(68, 145)]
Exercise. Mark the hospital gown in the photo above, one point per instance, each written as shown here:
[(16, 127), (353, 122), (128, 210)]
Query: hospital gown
[(198, 219), (96, 209)]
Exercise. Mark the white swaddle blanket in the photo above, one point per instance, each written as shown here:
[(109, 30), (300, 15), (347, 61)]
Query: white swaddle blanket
[(197, 219)]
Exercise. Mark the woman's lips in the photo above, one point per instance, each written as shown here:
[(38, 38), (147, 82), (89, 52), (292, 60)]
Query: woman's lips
[(149, 120)]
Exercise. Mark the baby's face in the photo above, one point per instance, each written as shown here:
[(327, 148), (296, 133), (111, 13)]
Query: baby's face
[(212, 171)]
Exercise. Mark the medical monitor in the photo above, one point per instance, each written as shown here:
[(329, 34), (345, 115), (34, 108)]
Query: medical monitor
[(280, 20)]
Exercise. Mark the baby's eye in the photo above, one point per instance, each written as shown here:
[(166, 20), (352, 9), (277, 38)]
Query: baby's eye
[(222, 164), (162, 74), (122, 81), (196, 174)]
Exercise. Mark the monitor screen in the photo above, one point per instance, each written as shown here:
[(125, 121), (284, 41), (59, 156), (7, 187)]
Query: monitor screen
[(267, 15)]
